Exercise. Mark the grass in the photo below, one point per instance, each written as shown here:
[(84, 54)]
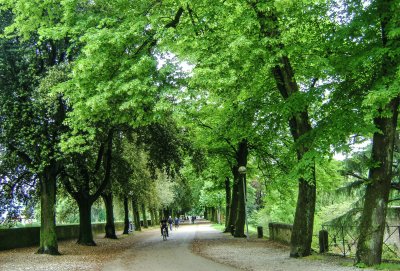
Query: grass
[(387, 266), (220, 227)]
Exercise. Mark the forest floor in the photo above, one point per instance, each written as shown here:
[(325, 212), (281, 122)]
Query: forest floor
[(191, 247)]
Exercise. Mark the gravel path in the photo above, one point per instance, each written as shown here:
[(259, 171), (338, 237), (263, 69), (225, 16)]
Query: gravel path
[(261, 255), (190, 248)]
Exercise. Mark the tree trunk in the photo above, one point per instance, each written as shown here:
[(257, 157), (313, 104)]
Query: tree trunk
[(144, 216), (241, 158), (48, 235), (299, 127), (126, 216), (234, 201), (110, 226), (214, 214), (136, 215), (228, 203), (85, 222), (156, 217), (372, 226), (152, 217)]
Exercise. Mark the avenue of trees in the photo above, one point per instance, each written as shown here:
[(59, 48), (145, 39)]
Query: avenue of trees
[(158, 104)]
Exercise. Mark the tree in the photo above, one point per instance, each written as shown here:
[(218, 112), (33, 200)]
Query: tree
[(85, 177), (32, 121)]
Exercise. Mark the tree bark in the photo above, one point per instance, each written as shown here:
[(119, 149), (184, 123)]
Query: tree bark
[(48, 235), (300, 127), (152, 217), (126, 216), (110, 226), (85, 221), (372, 226), (234, 201), (156, 217), (144, 216), (228, 203), (241, 158), (136, 215), (214, 214)]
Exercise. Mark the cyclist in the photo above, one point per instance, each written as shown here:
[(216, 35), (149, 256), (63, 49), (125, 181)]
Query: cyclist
[(170, 221), (163, 225)]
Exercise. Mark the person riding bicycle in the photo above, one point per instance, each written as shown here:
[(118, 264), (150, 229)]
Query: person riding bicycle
[(163, 225)]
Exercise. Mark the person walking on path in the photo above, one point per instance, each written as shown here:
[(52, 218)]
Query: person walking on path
[(170, 221)]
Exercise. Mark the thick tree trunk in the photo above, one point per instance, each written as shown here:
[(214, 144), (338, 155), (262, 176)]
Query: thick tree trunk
[(228, 203), (372, 226), (299, 127), (85, 222), (144, 216), (110, 226), (48, 236), (234, 200), (241, 158), (126, 216)]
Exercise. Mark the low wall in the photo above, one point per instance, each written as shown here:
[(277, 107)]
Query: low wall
[(280, 232), (30, 236)]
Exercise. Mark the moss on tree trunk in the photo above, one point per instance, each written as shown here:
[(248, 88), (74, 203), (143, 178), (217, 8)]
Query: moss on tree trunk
[(372, 226), (48, 236)]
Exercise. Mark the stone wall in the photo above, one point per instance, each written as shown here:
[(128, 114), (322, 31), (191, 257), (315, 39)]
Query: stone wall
[(30, 236), (280, 232)]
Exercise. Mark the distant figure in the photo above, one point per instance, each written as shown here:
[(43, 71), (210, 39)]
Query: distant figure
[(193, 219), (176, 222), (170, 221)]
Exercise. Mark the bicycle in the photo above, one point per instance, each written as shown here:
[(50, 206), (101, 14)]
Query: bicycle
[(164, 234)]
